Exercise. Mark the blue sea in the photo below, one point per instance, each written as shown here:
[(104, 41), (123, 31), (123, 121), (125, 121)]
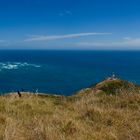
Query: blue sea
[(64, 72)]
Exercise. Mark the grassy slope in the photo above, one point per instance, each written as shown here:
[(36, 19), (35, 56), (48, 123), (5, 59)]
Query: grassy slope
[(109, 87), (92, 116)]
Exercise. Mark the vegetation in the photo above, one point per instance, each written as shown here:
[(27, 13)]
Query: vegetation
[(96, 113)]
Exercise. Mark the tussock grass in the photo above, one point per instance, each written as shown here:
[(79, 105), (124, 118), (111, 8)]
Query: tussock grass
[(87, 117)]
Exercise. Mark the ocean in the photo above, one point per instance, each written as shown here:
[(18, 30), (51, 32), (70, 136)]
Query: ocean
[(64, 72)]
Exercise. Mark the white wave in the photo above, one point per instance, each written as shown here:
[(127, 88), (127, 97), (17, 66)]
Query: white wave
[(16, 65)]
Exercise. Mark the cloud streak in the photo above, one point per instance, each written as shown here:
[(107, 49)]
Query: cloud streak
[(56, 37), (125, 42), (66, 12), (2, 41)]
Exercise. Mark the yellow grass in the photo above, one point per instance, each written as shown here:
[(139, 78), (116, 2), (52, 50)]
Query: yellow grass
[(88, 117)]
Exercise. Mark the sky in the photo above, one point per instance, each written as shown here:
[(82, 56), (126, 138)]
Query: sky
[(70, 24)]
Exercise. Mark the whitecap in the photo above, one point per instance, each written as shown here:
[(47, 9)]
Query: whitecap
[(16, 65)]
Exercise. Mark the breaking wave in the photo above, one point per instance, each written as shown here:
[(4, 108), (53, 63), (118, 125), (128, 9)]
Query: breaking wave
[(16, 65)]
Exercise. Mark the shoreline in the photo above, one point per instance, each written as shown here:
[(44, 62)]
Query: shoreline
[(93, 88)]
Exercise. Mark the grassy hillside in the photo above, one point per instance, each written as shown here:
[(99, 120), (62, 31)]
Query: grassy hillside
[(109, 110), (109, 87)]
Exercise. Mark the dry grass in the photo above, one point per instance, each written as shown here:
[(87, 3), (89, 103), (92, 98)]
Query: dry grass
[(88, 117)]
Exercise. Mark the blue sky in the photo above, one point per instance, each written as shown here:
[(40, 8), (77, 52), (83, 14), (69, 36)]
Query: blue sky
[(70, 24)]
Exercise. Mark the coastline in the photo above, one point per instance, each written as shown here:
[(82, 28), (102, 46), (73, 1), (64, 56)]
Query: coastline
[(106, 110)]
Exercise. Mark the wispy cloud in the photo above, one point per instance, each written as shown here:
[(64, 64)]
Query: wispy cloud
[(2, 41), (66, 12), (132, 41), (55, 37), (125, 42)]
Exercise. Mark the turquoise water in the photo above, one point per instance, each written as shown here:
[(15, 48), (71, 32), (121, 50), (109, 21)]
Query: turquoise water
[(64, 72)]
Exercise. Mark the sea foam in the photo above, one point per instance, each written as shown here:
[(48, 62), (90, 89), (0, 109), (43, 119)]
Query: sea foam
[(16, 65)]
